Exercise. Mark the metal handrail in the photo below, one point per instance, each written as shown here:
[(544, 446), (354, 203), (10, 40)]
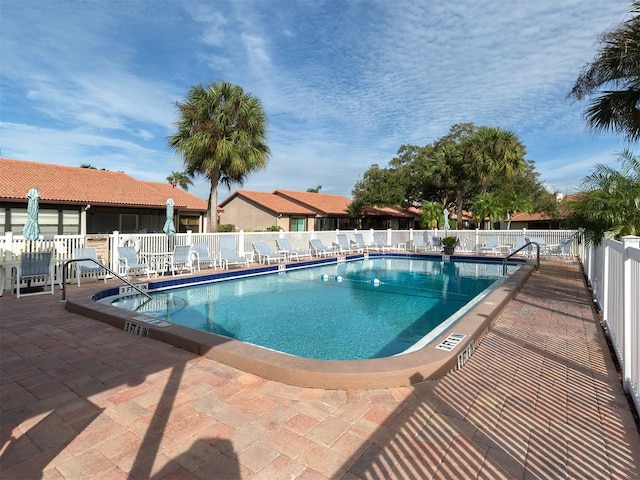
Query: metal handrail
[(504, 262), (64, 276)]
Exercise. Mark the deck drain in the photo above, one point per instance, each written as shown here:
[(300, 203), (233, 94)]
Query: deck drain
[(451, 342)]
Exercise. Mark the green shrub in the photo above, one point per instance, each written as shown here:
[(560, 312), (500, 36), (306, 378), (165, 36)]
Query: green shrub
[(226, 227)]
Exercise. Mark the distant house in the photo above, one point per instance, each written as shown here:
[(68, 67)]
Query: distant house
[(289, 210), (78, 200), (304, 211)]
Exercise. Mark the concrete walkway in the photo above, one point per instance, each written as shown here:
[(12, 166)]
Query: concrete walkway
[(539, 399)]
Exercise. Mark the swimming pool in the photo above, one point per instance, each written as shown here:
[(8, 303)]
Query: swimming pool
[(362, 309)]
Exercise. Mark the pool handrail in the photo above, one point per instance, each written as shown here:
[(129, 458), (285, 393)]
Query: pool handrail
[(537, 264), (64, 276)]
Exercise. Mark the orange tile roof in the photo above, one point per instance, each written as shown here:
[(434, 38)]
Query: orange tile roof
[(388, 212), (270, 201), (75, 185), (325, 203)]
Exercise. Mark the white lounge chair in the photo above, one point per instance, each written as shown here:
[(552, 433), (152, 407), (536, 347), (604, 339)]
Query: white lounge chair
[(229, 256), (520, 242), (343, 246), (319, 250), (180, 260), (265, 254), (33, 266), (203, 256), (419, 244), (88, 267), (491, 245), (128, 262), (359, 242), (285, 247), (378, 243)]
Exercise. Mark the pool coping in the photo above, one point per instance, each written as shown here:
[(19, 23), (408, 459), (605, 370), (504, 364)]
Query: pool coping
[(427, 363)]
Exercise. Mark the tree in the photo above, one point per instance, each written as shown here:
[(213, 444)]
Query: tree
[(180, 179), (513, 202), (221, 135), (88, 165), (608, 201), (432, 214), (315, 190), (613, 79), (487, 205), (493, 152), (379, 187)]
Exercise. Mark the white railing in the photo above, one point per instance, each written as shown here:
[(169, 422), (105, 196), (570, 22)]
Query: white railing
[(613, 271)]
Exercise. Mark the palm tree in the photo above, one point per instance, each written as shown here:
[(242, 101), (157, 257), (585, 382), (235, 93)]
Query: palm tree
[(487, 205), (221, 135), (513, 202), (494, 151), (180, 179), (609, 201), (613, 79), (431, 214)]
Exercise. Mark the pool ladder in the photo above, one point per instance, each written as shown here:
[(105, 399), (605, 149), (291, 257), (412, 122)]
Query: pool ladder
[(64, 276), (537, 264)]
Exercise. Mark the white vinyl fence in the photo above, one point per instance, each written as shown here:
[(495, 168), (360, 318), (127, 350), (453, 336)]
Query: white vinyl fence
[(613, 271)]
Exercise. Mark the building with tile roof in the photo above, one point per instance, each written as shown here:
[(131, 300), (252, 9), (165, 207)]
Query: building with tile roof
[(78, 200), (303, 211)]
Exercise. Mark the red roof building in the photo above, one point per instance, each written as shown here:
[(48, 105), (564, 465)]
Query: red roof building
[(76, 200)]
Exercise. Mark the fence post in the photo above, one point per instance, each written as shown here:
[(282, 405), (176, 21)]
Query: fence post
[(628, 297)]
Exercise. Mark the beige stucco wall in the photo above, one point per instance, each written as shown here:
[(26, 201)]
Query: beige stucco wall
[(248, 216)]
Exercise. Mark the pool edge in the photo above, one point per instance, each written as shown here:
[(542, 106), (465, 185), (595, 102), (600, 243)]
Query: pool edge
[(427, 363)]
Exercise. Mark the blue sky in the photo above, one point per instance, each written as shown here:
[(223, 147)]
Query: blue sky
[(344, 83)]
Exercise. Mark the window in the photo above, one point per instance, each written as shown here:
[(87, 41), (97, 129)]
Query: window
[(298, 224)]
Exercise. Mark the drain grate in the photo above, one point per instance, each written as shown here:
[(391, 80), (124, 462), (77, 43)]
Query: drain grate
[(451, 342)]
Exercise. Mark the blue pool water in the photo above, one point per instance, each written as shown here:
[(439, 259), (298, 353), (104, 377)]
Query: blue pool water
[(363, 309)]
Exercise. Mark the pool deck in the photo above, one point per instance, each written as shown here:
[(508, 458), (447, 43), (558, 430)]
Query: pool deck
[(539, 399)]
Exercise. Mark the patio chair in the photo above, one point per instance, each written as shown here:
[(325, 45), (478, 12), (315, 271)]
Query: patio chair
[(203, 256), (88, 267), (265, 254), (284, 246), (435, 244), (343, 246), (180, 260), (491, 245), (419, 244), (319, 250), (359, 242), (564, 249), (520, 242), (378, 242), (34, 266), (229, 255), (128, 263)]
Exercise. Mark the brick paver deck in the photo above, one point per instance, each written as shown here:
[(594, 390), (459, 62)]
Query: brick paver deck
[(539, 399)]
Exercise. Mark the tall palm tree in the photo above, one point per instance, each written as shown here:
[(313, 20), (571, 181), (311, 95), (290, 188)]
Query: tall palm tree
[(221, 135), (494, 151), (613, 78), (608, 201), (180, 179)]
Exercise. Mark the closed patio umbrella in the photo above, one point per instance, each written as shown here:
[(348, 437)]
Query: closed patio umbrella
[(169, 228), (31, 229), (446, 220)]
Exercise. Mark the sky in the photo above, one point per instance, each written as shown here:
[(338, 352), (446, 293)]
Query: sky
[(344, 84)]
